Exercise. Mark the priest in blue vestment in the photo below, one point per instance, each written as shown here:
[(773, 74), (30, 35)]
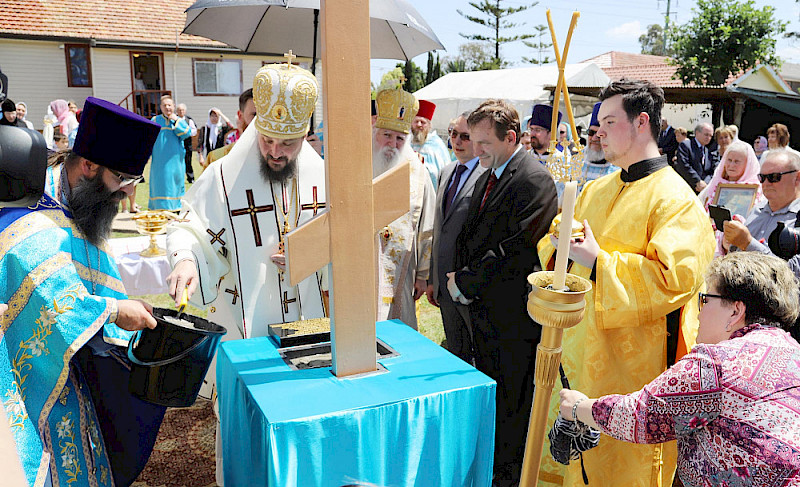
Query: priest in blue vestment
[(63, 370), (168, 166)]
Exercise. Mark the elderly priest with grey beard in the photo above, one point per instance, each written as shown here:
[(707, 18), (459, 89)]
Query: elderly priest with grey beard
[(404, 254)]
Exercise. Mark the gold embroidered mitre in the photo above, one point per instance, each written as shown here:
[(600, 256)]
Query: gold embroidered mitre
[(396, 110), (285, 96)]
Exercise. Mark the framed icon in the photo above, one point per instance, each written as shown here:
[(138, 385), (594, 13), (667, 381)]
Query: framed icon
[(738, 198)]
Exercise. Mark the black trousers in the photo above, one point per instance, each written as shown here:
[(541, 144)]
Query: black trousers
[(188, 161), (129, 425), (510, 361), (457, 326)]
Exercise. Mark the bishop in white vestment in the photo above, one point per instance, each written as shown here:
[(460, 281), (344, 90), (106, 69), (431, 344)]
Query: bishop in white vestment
[(228, 247), (405, 244)]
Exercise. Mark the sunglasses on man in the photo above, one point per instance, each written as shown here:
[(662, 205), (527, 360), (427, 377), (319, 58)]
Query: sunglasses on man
[(125, 179), (591, 132), (774, 177), (455, 134)]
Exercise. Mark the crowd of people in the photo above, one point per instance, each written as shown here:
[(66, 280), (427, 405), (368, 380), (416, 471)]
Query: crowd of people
[(684, 330)]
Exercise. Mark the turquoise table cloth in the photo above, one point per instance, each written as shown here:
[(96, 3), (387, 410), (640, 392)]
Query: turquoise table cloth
[(428, 420)]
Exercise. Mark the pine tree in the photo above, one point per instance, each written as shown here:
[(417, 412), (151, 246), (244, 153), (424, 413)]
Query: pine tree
[(494, 17)]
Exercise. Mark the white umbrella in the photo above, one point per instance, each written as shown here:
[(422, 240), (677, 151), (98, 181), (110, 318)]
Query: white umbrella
[(397, 30)]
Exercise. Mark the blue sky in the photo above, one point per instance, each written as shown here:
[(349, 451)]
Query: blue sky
[(607, 25)]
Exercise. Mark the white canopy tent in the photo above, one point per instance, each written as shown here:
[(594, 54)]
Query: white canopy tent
[(455, 93)]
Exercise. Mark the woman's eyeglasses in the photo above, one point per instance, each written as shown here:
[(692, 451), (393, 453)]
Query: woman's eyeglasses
[(125, 179), (455, 134), (702, 298), (774, 177)]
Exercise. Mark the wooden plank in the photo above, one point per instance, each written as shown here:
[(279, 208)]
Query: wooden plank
[(311, 244), (348, 159), (390, 193)]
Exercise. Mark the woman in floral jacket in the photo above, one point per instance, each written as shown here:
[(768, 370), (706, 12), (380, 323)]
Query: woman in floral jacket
[(733, 403)]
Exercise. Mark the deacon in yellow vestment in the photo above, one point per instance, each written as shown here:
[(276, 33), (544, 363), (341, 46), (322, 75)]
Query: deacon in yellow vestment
[(655, 244)]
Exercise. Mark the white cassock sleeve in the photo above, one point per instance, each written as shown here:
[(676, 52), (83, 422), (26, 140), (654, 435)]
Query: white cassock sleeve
[(204, 210)]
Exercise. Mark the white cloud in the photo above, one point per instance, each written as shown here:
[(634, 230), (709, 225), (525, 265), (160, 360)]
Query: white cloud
[(789, 53), (627, 30)]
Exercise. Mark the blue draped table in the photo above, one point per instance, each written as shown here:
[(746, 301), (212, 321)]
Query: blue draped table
[(427, 421)]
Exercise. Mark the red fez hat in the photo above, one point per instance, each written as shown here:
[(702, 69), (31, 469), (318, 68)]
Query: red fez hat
[(426, 109)]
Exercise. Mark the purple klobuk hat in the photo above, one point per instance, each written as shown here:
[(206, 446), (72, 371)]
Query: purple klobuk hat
[(594, 121), (543, 116), (114, 137)]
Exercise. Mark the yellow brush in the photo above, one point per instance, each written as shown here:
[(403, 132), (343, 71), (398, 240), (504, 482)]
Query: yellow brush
[(184, 302)]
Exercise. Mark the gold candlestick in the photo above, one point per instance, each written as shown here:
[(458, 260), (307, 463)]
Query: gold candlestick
[(555, 311)]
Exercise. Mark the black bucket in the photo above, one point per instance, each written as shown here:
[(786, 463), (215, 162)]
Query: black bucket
[(170, 361)]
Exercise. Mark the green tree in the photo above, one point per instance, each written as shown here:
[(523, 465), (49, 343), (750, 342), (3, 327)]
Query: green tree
[(540, 47), (414, 77), (495, 18), (653, 41), (434, 71), (725, 37), (472, 56)]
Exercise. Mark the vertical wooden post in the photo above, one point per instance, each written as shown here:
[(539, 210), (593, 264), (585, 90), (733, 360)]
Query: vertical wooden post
[(348, 159)]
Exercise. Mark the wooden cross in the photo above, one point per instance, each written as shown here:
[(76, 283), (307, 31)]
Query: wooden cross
[(314, 205), (234, 292), (216, 237), (289, 57), (344, 233), (253, 211), (286, 301)]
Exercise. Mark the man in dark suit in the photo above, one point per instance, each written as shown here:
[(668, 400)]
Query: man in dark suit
[(695, 162), (511, 210), (667, 144), (456, 183)]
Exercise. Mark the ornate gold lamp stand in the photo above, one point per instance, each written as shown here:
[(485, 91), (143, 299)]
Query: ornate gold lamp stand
[(555, 311), (152, 223)]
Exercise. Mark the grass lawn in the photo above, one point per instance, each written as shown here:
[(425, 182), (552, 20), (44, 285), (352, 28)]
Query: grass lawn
[(428, 317)]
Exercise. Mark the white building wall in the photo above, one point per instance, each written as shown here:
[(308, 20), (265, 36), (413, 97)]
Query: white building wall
[(37, 75)]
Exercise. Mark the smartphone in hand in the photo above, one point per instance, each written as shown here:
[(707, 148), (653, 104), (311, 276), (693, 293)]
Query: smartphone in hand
[(720, 214)]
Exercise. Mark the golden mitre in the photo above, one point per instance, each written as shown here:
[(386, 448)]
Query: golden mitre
[(396, 110), (285, 96)]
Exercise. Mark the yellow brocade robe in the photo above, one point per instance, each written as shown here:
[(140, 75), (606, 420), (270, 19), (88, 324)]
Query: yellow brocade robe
[(655, 245)]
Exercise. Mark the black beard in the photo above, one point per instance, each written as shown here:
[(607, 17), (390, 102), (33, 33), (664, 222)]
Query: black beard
[(94, 207), (281, 175)]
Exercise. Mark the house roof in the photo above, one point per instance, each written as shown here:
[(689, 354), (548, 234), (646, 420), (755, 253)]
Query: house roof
[(113, 22), (660, 74), (613, 59)]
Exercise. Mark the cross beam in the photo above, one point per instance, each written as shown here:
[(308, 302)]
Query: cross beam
[(344, 234)]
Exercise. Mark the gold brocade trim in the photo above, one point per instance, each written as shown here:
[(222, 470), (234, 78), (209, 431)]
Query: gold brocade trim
[(37, 276), (165, 198), (99, 278), (551, 478), (73, 348)]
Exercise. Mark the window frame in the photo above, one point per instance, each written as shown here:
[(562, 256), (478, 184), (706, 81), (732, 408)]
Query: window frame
[(70, 82), (213, 60)]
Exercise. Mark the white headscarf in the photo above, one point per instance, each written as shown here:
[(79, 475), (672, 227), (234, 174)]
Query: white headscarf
[(213, 130)]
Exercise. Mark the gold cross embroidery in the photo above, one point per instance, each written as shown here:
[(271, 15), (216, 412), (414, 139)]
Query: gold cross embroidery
[(286, 301), (253, 211), (314, 205), (216, 237), (234, 292)]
